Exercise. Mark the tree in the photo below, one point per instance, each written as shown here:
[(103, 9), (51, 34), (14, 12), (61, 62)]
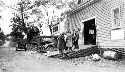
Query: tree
[(19, 21), (48, 9), (55, 6), (2, 36), (38, 11)]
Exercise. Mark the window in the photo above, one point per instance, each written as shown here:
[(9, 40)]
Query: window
[(55, 28), (117, 34), (116, 17)]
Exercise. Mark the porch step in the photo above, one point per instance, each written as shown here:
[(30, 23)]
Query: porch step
[(76, 54)]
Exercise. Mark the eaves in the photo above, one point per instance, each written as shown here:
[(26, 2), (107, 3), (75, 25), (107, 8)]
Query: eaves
[(82, 6)]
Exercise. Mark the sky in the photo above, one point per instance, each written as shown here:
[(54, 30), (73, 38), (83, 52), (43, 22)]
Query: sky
[(5, 21), (6, 16)]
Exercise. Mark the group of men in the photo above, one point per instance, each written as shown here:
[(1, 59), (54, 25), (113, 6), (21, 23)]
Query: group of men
[(68, 41)]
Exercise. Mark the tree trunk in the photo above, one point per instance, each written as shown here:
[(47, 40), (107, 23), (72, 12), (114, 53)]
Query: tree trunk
[(23, 23), (50, 29)]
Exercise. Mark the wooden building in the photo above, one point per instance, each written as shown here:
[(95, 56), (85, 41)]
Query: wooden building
[(101, 22), (58, 27)]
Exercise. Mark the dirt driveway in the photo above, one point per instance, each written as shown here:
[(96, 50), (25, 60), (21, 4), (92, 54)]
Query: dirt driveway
[(21, 61)]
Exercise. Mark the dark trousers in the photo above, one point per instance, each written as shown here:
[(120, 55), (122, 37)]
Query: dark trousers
[(70, 49), (76, 44), (66, 48), (61, 51)]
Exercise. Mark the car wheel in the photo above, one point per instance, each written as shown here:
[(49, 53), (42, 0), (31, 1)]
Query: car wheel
[(16, 49), (38, 49), (25, 49), (49, 48)]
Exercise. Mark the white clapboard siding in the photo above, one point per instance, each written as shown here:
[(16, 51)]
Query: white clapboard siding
[(102, 11), (70, 25), (66, 25), (77, 23), (78, 20), (80, 15), (74, 22)]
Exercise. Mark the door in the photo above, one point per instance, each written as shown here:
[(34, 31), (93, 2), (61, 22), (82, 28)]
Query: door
[(89, 32)]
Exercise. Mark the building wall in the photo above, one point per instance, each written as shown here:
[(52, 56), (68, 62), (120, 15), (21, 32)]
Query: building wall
[(61, 28), (102, 11)]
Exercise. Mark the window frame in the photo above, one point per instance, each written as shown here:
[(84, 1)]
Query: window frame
[(112, 18), (54, 28)]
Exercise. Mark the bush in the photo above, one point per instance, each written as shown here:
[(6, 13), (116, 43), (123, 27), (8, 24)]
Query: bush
[(12, 44), (2, 43)]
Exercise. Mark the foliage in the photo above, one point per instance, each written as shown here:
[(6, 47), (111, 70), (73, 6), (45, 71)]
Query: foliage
[(38, 12), (17, 23), (55, 6), (2, 36), (19, 19)]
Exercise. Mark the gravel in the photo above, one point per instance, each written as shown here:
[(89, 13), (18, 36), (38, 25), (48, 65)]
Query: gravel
[(21, 61)]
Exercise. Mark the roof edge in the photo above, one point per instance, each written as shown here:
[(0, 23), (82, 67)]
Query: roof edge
[(82, 5)]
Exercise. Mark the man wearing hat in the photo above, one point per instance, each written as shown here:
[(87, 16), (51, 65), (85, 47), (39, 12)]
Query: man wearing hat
[(75, 39), (61, 43), (69, 41)]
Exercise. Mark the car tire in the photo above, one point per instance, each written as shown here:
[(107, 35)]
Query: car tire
[(16, 49), (25, 49), (49, 48)]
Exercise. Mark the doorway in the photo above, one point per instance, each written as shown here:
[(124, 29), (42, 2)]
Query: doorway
[(89, 32)]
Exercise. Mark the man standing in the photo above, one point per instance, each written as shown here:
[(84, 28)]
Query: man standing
[(75, 39), (61, 43), (69, 41)]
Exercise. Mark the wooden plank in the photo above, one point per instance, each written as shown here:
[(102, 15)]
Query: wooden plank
[(78, 18), (70, 24), (81, 15), (76, 54), (67, 25), (102, 23), (115, 41), (73, 23), (103, 38), (110, 46), (77, 21), (113, 44), (103, 16), (105, 8)]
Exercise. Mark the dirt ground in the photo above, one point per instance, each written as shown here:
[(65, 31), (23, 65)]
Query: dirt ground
[(23, 61)]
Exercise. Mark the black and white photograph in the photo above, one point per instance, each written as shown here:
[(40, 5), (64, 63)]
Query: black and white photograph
[(62, 35)]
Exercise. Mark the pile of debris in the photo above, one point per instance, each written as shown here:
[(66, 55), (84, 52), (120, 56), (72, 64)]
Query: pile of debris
[(77, 54)]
